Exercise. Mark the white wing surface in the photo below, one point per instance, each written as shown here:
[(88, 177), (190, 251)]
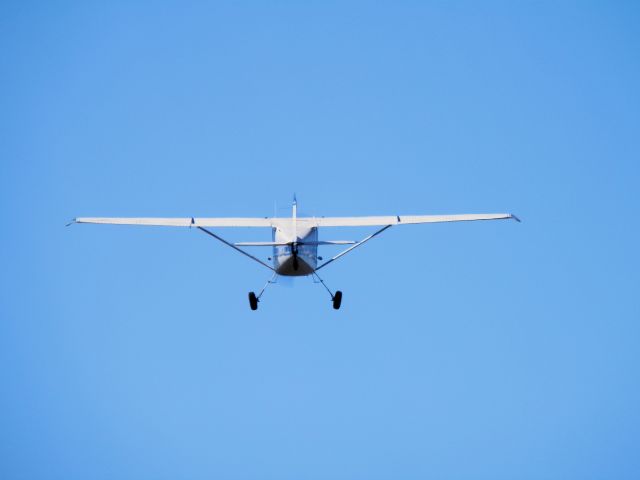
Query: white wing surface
[(402, 219), (304, 221), (179, 222)]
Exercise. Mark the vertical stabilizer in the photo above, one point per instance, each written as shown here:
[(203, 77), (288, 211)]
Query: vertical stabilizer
[(294, 216)]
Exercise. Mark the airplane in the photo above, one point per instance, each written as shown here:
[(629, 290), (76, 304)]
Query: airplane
[(295, 239)]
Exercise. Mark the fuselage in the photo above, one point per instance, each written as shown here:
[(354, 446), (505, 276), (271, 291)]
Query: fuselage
[(298, 253), (298, 257)]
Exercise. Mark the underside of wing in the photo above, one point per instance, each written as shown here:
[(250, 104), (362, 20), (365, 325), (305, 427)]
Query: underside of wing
[(179, 222), (309, 221), (402, 219)]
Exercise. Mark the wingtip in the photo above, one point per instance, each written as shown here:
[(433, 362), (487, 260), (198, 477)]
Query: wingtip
[(71, 222), (516, 218)]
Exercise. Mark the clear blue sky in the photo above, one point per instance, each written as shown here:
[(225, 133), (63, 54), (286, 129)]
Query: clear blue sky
[(490, 350)]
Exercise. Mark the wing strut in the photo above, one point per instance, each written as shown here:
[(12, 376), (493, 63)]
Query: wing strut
[(235, 248), (344, 252)]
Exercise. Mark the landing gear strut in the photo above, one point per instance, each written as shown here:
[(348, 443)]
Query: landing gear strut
[(336, 298)]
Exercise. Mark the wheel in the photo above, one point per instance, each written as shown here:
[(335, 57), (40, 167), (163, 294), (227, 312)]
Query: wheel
[(253, 301), (337, 300)]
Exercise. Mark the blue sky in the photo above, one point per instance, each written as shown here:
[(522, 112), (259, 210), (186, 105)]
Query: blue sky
[(482, 350)]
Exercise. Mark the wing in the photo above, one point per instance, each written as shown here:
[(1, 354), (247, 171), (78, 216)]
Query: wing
[(404, 219), (311, 221), (179, 222)]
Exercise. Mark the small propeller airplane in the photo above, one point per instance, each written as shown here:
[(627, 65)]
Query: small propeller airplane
[(295, 240)]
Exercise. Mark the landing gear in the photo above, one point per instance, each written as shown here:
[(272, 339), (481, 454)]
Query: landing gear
[(337, 300), (253, 301)]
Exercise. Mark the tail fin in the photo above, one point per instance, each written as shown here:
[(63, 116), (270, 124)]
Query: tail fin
[(294, 216)]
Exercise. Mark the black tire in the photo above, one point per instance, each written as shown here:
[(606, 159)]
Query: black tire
[(337, 300), (253, 301)]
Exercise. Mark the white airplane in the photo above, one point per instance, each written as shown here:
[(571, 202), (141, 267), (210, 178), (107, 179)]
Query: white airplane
[(295, 240)]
